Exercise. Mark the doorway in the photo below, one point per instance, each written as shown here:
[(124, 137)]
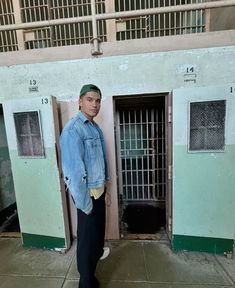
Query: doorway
[(141, 139)]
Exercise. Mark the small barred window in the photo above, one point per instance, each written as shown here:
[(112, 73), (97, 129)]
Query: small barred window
[(28, 132), (207, 125)]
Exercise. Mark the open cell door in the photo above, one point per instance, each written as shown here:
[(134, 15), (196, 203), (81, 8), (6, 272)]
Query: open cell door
[(33, 132), (203, 168)]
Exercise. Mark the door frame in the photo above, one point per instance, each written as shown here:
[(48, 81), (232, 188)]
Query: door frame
[(168, 134), (169, 149)]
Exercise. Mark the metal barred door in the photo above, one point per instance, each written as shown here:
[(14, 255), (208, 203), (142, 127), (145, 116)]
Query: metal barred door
[(142, 164)]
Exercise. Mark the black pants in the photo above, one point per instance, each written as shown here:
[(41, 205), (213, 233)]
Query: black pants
[(90, 242)]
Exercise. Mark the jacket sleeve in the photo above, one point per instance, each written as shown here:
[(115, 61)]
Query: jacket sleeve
[(74, 172), (104, 153)]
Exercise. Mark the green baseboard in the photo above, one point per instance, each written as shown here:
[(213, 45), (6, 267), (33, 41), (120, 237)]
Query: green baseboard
[(202, 244), (40, 241)]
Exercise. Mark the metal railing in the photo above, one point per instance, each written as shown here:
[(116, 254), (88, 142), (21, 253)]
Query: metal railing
[(32, 24)]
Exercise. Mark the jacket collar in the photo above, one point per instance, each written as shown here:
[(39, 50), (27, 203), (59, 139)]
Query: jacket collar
[(82, 117)]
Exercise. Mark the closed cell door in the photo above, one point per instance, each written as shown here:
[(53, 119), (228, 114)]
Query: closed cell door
[(32, 133), (142, 173)]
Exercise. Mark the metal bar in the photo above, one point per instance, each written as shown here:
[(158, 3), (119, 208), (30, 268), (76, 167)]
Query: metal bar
[(175, 18), (19, 33), (125, 148), (148, 151), (125, 14), (136, 159), (7, 15), (130, 149), (142, 147), (119, 155), (2, 41), (162, 153), (94, 29), (154, 136)]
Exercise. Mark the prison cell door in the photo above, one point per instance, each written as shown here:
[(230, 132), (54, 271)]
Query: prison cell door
[(32, 134), (141, 140), (203, 167)]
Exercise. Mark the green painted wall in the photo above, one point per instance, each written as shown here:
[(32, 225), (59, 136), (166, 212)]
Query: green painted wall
[(7, 193)]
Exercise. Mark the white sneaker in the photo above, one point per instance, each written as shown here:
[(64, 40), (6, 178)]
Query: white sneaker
[(105, 253)]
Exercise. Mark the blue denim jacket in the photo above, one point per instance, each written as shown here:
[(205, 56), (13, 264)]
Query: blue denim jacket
[(83, 157)]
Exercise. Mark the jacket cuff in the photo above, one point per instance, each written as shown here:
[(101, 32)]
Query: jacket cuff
[(89, 209)]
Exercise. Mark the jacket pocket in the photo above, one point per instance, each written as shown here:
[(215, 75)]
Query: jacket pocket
[(92, 146)]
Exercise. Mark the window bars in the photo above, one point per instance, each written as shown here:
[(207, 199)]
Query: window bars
[(207, 125), (175, 18), (57, 35), (8, 40), (142, 148), (171, 23), (29, 136), (64, 34)]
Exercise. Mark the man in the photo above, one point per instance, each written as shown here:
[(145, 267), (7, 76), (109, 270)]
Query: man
[(85, 173)]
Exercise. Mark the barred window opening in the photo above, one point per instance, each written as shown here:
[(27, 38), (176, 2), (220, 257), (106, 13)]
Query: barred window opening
[(28, 133), (207, 125)]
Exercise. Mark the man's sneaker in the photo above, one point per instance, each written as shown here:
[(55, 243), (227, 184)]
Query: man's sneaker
[(105, 253)]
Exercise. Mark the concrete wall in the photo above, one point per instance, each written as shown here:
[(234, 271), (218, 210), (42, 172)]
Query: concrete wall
[(120, 75), (7, 193)]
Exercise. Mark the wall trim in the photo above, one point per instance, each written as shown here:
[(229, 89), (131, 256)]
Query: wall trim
[(117, 48), (41, 241), (202, 244)]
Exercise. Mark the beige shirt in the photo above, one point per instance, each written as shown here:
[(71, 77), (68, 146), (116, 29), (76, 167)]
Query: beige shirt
[(96, 192)]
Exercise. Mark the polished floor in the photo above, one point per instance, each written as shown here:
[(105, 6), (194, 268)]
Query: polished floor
[(131, 264)]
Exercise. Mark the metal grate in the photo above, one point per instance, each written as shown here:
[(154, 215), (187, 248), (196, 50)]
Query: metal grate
[(207, 125), (143, 154), (174, 23), (28, 134), (61, 35), (38, 38), (8, 39), (134, 27)]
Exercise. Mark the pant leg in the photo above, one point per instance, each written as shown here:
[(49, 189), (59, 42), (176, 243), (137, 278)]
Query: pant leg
[(90, 242)]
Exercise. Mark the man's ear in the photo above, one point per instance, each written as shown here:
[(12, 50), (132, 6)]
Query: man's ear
[(79, 102)]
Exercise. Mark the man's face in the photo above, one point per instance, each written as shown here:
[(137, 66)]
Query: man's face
[(90, 104)]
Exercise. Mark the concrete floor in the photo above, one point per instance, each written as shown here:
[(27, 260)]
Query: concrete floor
[(131, 264)]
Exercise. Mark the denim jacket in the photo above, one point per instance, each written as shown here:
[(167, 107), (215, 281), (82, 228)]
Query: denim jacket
[(83, 158)]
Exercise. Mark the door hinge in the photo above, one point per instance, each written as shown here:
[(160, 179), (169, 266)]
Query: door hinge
[(169, 172), (169, 114)]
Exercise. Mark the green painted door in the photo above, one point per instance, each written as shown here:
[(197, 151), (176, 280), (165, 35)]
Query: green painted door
[(203, 168), (32, 133)]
